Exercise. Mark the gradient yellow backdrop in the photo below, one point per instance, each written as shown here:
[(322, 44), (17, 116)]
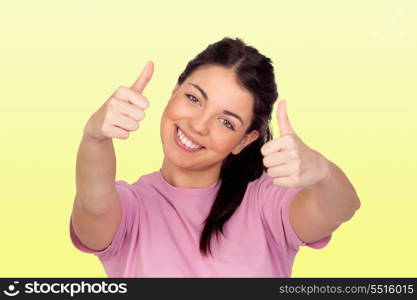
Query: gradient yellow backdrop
[(347, 69)]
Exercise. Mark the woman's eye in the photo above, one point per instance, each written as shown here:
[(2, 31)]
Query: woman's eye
[(192, 98), (227, 124)]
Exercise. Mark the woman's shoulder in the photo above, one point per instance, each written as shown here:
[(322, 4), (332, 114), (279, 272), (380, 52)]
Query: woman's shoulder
[(136, 187), (264, 186), (261, 180), (141, 179)]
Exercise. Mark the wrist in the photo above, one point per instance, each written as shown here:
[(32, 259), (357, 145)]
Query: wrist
[(328, 170), (92, 139)]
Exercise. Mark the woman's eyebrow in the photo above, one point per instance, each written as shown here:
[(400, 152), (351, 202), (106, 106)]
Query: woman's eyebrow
[(201, 90), (206, 97)]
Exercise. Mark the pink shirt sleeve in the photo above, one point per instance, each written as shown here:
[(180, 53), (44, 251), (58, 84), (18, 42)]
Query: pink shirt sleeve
[(125, 229), (274, 204)]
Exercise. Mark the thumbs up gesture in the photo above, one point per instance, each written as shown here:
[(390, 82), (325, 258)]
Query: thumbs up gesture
[(290, 162), (122, 112)]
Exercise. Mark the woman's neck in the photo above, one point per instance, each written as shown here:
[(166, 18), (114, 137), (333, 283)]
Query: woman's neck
[(189, 178)]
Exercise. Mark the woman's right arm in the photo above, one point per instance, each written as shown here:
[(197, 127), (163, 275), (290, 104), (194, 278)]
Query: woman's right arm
[(97, 210)]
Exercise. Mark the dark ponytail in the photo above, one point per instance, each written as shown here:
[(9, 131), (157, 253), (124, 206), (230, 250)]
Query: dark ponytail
[(255, 73)]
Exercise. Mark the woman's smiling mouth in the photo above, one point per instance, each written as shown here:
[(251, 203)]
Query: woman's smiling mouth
[(184, 142)]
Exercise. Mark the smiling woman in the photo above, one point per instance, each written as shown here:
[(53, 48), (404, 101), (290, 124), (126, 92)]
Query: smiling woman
[(204, 117), (212, 181)]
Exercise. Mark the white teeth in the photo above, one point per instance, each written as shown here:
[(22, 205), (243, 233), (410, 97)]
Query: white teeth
[(188, 144), (185, 141)]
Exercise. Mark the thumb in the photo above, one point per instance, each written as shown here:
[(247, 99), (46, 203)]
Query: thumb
[(143, 78), (283, 121)]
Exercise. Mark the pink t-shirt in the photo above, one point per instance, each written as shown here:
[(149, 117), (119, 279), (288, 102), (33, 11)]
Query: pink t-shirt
[(160, 231)]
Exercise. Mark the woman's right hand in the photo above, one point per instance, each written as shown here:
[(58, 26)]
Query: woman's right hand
[(122, 112)]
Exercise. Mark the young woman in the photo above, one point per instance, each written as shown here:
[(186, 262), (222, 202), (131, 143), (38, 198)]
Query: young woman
[(228, 201)]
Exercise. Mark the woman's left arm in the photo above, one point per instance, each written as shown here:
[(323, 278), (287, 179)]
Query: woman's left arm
[(319, 209), (327, 198)]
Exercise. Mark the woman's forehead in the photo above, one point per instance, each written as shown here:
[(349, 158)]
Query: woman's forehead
[(219, 84)]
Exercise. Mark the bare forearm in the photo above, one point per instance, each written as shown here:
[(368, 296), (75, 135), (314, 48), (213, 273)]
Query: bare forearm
[(336, 196), (95, 173)]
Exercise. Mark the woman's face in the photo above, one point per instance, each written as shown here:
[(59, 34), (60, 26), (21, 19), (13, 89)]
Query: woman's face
[(206, 119)]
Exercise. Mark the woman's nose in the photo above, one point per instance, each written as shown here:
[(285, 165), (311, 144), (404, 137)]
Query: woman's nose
[(199, 123)]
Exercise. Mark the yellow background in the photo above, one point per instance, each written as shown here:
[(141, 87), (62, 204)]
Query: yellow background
[(347, 69)]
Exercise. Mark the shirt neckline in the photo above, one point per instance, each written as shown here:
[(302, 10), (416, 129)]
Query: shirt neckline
[(186, 191)]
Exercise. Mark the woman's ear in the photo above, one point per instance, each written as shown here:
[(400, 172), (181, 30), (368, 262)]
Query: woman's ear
[(246, 140)]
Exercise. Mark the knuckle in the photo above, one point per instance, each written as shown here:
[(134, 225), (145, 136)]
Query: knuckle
[(121, 134), (289, 140), (108, 115), (132, 125), (103, 129), (141, 115), (145, 103), (121, 89), (295, 154), (296, 181), (297, 168), (142, 102), (111, 104)]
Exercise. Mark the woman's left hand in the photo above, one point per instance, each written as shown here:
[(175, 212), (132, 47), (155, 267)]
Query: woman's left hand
[(290, 162)]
